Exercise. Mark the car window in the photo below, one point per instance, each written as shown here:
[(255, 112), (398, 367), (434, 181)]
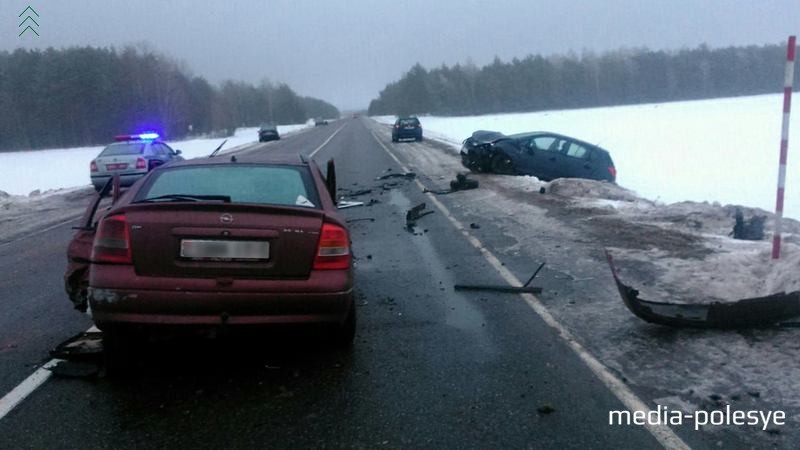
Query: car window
[(407, 122), (578, 151), (274, 185), (542, 143), (123, 148)]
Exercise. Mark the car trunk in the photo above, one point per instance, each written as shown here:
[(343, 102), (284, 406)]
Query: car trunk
[(119, 164), (265, 242)]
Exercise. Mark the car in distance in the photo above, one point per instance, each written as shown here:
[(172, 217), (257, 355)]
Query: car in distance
[(268, 132), (131, 157), (406, 128), (544, 155), (236, 242), (320, 122)]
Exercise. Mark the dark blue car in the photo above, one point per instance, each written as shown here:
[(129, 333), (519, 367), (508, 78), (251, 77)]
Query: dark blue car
[(544, 155)]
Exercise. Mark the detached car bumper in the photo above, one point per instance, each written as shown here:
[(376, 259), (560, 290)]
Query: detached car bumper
[(123, 298)]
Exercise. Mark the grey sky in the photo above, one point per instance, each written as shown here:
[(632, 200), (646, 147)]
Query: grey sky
[(345, 51)]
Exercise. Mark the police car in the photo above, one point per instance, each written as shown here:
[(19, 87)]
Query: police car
[(131, 156)]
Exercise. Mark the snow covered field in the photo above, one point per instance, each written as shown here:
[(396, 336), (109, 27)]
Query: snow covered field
[(23, 172), (723, 150)]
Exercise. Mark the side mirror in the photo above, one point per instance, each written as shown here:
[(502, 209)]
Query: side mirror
[(178, 152), (529, 151), (330, 180)]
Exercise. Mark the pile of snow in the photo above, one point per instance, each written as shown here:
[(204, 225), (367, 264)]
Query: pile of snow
[(24, 172), (721, 150)]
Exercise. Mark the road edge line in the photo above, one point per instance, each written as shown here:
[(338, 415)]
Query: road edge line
[(662, 433)]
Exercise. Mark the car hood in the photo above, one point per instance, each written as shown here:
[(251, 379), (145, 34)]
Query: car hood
[(485, 136)]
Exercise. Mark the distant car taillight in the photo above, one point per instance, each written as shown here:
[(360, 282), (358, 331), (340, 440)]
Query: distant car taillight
[(93, 166), (112, 244), (613, 171), (141, 163), (333, 251)]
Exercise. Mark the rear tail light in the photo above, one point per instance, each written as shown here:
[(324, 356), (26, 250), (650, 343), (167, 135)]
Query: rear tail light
[(613, 171), (333, 252), (112, 244), (141, 163), (93, 166)]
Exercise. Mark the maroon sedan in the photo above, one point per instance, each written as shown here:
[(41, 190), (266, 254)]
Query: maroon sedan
[(247, 240)]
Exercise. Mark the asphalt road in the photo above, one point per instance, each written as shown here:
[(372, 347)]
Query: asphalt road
[(430, 368)]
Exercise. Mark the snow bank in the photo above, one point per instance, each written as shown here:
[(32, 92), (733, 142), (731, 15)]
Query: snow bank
[(723, 150), (24, 172)]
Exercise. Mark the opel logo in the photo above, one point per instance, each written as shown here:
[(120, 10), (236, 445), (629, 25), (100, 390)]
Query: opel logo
[(226, 218)]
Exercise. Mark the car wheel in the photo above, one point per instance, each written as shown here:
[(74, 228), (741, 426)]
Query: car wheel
[(502, 164), (343, 335), (419, 139)]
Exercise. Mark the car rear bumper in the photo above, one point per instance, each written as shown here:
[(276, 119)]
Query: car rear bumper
[(125, 179), (135, 300)]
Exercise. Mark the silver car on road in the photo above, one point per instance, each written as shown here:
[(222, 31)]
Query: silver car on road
[(132, 156)]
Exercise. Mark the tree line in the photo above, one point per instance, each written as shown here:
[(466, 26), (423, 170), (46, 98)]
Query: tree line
[(570, 81), (84, 96)]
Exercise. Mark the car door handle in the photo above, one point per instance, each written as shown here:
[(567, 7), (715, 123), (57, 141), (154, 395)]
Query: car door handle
[(587, 167), (553, 159)]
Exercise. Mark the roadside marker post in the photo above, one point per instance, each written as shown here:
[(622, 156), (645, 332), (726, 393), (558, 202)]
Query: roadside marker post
[(787, 106)]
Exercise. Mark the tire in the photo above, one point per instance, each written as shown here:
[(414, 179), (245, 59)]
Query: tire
[(343, 334), (419, 139), (502, 164)]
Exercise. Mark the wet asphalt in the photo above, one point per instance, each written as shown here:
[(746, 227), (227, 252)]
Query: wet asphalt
[(430, 367)]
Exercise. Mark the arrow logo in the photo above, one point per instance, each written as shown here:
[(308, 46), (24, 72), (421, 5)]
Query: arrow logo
[(29, 18)]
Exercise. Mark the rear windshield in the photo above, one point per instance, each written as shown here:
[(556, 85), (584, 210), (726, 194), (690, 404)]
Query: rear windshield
[(406, 122), (123, 148), (269, 185)]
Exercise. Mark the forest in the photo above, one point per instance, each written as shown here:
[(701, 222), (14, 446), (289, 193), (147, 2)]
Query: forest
[(627, 76), (85, 95)]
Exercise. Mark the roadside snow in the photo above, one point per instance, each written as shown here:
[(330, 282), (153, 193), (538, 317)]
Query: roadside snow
[(26, 171), (723, 150)]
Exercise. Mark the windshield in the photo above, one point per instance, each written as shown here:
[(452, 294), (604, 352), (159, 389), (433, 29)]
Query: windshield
[(267, 185)]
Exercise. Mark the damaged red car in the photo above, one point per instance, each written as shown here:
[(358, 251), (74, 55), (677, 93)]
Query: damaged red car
[(217, 241)]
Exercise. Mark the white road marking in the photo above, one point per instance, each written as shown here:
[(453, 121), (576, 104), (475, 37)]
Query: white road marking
[(24, 389), (311, 155), (662, 433)]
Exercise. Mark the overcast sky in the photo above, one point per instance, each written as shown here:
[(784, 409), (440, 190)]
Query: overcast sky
[(346, 51)]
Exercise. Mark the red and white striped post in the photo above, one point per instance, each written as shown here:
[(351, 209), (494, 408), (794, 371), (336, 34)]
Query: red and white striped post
[(787, 107)]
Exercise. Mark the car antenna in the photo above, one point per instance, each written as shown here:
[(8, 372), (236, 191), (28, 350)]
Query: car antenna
[(214, 153), (233, 158)]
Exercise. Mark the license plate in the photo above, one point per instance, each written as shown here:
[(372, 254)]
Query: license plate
[(216, 249), (119, 166)]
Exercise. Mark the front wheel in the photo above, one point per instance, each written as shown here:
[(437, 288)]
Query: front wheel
[(502, 164)]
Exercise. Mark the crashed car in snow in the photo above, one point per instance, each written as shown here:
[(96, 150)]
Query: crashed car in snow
[(245, 240), (544, 155)]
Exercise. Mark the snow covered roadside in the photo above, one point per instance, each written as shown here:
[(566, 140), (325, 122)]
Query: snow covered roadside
[(24, 172), (723, 150)]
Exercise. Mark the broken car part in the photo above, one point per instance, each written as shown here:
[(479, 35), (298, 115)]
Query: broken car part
[(751, 312), (525, 288)]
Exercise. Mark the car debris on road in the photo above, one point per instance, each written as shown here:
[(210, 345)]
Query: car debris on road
[(751, 312), (525, 288)]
